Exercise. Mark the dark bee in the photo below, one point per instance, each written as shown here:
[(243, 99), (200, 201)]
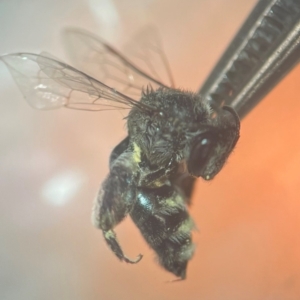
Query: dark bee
[(173, 138)]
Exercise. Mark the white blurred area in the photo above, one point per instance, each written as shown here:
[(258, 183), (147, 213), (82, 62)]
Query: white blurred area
[(52, 164), (60, 189)]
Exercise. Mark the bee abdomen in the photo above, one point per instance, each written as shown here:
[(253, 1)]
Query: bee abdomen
[(162, 218)]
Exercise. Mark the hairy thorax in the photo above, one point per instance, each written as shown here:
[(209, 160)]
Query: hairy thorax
[(164, 134)]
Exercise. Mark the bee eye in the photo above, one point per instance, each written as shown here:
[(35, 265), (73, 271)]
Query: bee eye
[(200, 154)]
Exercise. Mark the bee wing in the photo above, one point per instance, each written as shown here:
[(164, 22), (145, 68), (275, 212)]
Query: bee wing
[(95, 57), (47, 83), (146, 51)]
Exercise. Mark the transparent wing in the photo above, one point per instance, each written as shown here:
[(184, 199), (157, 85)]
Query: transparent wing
[(47, 83), (146, 51), (90, 54)]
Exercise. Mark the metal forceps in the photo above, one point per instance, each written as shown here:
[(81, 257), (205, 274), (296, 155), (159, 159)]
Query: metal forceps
[(263, 51)]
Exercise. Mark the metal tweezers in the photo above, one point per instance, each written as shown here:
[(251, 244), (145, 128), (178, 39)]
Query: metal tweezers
[(263, 51)]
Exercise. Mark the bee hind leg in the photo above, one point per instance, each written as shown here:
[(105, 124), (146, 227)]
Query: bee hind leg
[(115, 199), (111, 239)]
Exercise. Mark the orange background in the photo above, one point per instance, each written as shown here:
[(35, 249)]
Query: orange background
[(52, 163)]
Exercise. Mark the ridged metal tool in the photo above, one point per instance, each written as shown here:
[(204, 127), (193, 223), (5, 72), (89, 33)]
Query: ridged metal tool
[(264, 50)]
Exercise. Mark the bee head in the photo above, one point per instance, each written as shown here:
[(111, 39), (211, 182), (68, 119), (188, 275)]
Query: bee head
[(209, 149)]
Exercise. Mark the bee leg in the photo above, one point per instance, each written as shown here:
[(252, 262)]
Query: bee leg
[(158, 177), (115, 199), (118, 150), (111, 240), (185, 184)]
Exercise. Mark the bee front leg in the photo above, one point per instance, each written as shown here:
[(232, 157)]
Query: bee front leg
[(115, 200), (185, 183), (157, 177)]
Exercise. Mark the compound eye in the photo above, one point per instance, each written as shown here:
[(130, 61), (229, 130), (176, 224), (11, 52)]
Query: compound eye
[(200, 154)]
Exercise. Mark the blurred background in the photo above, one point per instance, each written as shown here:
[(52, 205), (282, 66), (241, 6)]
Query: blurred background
[(52, 164)]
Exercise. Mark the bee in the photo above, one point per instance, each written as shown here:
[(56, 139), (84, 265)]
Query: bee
[(174, 136)]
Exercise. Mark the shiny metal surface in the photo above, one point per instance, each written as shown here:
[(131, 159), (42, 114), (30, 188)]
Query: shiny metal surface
[(52, 163)]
